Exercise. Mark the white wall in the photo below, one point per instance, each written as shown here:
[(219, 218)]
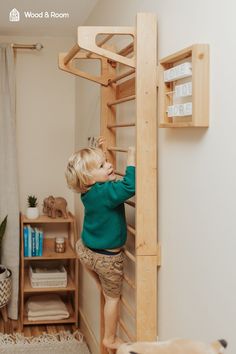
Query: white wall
[(197, 174), (45, 114)]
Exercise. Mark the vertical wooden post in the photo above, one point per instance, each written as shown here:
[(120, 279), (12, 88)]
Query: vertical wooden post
[(102, 349), (22, 273), (200, 84), (108, 116), (74, 238), (146, 178)]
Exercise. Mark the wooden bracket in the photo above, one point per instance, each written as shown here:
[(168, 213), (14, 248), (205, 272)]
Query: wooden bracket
[(87, 40), (103, 79)]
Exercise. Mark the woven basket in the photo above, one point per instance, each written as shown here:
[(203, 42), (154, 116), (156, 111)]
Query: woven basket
[(5, 289)]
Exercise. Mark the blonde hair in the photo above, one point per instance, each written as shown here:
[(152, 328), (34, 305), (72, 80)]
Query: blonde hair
[(79, 167)]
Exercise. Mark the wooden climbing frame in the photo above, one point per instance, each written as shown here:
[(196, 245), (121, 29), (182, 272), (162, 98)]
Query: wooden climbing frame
[(138, 83)]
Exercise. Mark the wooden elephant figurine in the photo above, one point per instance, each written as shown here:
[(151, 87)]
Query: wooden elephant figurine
[(54, 207)]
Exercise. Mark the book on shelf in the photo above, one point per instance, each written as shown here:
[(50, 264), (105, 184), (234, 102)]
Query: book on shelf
[(29, 241), (33, 241), (25, 235), (40, 242), (33, 244), (36, 241)]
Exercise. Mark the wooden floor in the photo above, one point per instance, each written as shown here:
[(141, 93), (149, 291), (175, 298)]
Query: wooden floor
[(35, 330)]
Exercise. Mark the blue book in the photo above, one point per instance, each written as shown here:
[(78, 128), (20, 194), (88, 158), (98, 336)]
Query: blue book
[(37, 241), (40, 242), (29, 228), (25, 234), (33, 236)]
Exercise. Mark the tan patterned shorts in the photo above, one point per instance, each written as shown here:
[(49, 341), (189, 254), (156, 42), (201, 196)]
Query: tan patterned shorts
[(109, 268)]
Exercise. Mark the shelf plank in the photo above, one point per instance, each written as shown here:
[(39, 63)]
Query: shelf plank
[(46, 219), (28, 288), (181, 125), (44, 322), (50, 254)]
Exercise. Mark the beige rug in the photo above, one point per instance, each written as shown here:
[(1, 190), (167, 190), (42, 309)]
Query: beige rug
[(60, 343)]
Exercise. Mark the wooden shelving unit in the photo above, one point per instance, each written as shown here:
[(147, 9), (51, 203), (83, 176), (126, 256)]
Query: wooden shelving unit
[(69, 260), (198, 57)]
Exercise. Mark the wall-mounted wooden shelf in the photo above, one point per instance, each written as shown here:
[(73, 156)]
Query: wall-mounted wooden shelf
[(189, 103)]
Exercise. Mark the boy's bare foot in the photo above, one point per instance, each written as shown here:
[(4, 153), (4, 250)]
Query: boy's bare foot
[(113, 344)]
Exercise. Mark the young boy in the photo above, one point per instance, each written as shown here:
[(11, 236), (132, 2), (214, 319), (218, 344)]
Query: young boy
[(104, 227)]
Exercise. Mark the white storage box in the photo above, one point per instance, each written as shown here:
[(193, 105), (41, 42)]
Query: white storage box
[(48, 276)]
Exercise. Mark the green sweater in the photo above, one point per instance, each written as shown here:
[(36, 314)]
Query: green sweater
[(104, 215)]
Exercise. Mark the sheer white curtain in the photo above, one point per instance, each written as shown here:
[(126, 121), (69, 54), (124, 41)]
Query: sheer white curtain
[(9, 199)]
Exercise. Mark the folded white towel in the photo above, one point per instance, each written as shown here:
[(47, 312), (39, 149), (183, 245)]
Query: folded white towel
[(46, 305)]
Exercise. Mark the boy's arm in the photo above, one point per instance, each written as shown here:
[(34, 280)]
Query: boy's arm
[(131, 156), (120, 191)]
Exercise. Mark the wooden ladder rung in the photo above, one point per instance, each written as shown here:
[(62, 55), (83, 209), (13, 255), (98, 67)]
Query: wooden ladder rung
[(129, 202), (126, 99), (70, 55), (100, 43), (121, 76), (119, 173), (117, 149), (129, 281), (129, 255), (127, 306), (104, 40), (127, 50), (123, 125), (131, 229), (125, 329)]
